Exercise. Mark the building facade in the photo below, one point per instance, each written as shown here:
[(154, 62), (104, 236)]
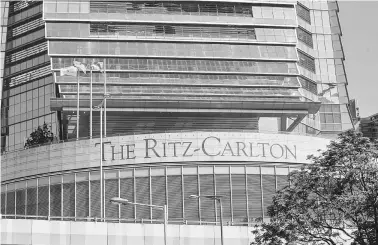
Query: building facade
[(202, 98)]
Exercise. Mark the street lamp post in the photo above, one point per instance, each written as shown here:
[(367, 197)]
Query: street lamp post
[(102, 206), (118, 200), (219, 200)]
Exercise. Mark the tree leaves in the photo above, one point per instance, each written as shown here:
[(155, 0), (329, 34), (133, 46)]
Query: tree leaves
[(332, 201), (41, 135)]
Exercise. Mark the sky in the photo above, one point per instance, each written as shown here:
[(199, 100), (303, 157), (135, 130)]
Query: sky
[(359, 25)]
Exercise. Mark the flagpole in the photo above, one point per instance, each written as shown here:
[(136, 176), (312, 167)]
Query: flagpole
[(90, 107), (105, 97), (78, 101)]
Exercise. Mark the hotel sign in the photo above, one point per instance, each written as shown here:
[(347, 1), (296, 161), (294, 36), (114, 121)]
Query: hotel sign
[(200, 146)]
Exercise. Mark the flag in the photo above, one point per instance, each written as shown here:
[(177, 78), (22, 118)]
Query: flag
[(98, 66), (80, 66), (69, 71)]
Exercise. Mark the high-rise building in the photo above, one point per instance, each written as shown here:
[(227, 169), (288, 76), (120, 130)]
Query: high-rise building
[(202, 98)]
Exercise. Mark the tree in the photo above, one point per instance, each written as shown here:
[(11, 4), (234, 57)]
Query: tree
[(40, 136), (334, 200)]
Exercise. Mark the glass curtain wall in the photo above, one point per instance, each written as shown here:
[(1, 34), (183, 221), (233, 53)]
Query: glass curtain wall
[(247, 191), (27, 81)]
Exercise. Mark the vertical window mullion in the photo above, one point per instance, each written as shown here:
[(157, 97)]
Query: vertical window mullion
[(89, 195), (246, 190), (215, 193), (26, 198), (6, 198), (262, 194), (119, 194), (135, 196), (61, 198), (15, 200), (75, 196), (37, 213), (199, 193), (150, 192), (49, 200), (182, 191), (275, 177), (231, 204)]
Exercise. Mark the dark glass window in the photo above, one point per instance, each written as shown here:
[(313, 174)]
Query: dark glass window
[(303, 13), (308, 85), (305, 37), (306, 61), (26, 13), (27, 64), (330, 117), (117, 29), (19, 5), (25, 39), (27, 76), (184, 8), (28, 26)]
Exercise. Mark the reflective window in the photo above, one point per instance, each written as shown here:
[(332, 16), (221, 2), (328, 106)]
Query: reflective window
[(184, 8), (28, 76), (19, 5), (185, 79), (197, 50), (28, 64), (189, 65), (28, 26), (22, 54), (241, 190), (188, 91), (24, 107), (273, 12), (176, 31), (330, 117), (25, 39), (26, 13), (118, 29)]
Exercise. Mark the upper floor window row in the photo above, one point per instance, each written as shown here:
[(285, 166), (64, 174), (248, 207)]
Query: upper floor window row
[(189, 8), (16, 6), (26, 39), (26, 52), (37, 9), (194, 8), (119, 29), (26, 27), (304, 13), (27, 76), (28, 64), (192, 66)]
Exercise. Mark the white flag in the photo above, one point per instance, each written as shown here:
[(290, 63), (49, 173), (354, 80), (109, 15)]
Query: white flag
[(98, 66), (69, 71), (80, 66)]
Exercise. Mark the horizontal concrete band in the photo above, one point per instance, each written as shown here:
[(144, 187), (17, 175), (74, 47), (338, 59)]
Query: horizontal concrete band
[(90, 233)]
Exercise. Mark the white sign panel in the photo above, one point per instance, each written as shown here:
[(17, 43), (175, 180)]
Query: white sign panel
[(211, 146)]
